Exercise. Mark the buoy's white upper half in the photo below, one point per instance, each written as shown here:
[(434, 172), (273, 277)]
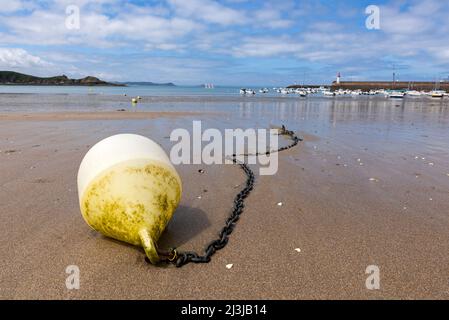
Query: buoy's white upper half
[(114, 150)]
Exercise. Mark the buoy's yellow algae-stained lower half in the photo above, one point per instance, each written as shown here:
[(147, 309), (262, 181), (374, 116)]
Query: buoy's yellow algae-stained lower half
[(132, 201)]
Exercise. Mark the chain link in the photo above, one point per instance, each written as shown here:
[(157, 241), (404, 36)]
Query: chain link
[(182, 258)]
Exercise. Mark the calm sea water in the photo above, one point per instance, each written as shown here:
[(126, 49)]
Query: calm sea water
[(130, 90)]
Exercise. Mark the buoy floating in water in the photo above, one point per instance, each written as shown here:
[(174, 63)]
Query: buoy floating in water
[(128, 190)]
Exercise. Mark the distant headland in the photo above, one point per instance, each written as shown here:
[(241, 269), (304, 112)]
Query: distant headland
[(15, 78)]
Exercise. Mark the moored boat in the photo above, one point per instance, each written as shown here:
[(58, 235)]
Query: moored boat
[(413, 93), (396, 94), (437, 94)]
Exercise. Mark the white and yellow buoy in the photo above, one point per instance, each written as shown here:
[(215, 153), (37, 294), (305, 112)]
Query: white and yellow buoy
[(128, 190)]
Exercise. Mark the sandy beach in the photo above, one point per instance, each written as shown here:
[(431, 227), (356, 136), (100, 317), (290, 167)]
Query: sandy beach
[(369, 185)]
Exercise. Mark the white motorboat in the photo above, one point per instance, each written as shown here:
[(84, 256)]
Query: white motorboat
[(413, 93), (301, 92), (396, 94), (247, 91), (437, 94)]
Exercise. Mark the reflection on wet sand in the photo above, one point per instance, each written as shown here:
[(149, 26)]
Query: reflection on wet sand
[(341, 110)]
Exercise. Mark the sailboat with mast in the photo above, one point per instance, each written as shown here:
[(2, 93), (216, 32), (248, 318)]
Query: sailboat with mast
[(436, 93)]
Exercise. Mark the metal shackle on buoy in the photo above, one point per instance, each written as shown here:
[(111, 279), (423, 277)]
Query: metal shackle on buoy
[(128, 190)]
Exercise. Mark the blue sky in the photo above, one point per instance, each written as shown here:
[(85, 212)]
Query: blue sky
[(227, 42)]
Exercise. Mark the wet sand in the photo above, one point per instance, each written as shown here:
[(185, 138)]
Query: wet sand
[(101, 115), (368, 186)]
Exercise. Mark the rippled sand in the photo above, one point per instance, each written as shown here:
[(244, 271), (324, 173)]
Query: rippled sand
[(368, 186)]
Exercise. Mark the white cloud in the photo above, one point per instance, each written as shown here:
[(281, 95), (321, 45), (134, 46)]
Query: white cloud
[(17, 58), (424, 16), (406, 33), (270, 16), (96, 29), (152, 27), (8, 6), (267, 47), (208, 11)]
